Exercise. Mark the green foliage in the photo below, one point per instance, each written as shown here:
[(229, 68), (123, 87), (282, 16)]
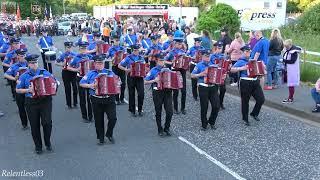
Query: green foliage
[(292, 7), (309, 72), (218, 16), (310, 19)]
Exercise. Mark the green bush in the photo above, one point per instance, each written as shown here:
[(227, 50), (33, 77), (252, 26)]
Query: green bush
[(292, 7), (310, 19), (218, 16), (309, 72)]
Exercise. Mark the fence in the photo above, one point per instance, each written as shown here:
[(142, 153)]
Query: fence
[(305, 53)]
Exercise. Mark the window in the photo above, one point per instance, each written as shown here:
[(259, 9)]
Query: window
[(266, 4), (279, 5)]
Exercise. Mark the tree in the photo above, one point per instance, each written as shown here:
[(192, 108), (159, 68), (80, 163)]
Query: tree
[(310, 19)]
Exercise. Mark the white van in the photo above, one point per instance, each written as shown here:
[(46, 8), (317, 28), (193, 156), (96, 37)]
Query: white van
[(80, 16)]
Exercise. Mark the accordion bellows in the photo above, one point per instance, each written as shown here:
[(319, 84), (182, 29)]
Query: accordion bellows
[(118, 57), (107, 84), (139, 69), (215, 75), (170, 80), (86, 66), (255, 68), (181, 62), (43, 86)]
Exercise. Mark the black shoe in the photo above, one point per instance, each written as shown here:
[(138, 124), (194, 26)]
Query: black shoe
[(183, 112), (49, 148), (195, 98), (75, 106), (316, 109), (111, 140), (176, 112), (118, 103), (140, 114), (25, 128), (222, 107), (255, 117), (69, 107), (246, 122), (123, 101), (133, 114), (204, 128), (38, 151), (14, 99), (86, 120), (101, 142), (213, 126), (167, 132)]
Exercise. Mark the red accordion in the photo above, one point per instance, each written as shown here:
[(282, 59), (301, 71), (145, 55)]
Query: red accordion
[(43, 86), (170, 80), (102, 48), (139, 69), (255, 68), (107, 84), (85, 66), (67, 61), (118, 57), (197, 57), (21, 70), (215, 75), (152, 54), (181, 62)]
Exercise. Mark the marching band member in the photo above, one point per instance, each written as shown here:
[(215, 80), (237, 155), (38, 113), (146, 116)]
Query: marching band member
[(13, 75), (83, 93), (10, 59), (160, 97), (207, 92), (130, 39), (69, 77), (146, 41), (192, 52), (39, 110), (119, 72), (168, 45), (101, 104), (134, 83), (169, 61), (5, 48), (155, 46), (248, 87), (92, 48), (217, 55), (45, 43)]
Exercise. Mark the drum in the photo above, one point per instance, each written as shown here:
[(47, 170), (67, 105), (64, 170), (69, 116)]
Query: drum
[(138, 69), (107, 84), (118, 57), (255, 68), (85, 66), (215, 75), (170, 80), (43, 86), (50, 56)]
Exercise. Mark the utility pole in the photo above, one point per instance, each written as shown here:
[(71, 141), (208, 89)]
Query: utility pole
[(64, 8)]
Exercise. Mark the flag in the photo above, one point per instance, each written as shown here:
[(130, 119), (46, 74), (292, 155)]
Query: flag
[(50, 12), (18, 12), (46, 13)]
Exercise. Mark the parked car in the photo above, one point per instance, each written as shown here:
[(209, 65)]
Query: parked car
[(64, 27)]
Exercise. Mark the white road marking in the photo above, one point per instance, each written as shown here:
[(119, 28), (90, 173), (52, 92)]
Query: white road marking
[(218, 163)]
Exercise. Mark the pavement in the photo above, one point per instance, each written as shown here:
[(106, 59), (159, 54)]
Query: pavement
[(278, 147)]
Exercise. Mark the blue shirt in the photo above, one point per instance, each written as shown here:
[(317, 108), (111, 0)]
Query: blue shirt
[(2, 39), (92, 46), (200, 67), (126, 62), (63, 56), (10, 57), (240, 63), (261, 47), (166, 45), (76, 60), (133, 38), (192, 51), (153, 73), (24, 79), (153, 47), (206, 42), (42, 41), (90, 77), (14, 68), (5, 47), (215, 56), (113, 49), (146, 43), (174, 52)]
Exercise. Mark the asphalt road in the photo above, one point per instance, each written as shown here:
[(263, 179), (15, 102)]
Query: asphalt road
[(277, 147)]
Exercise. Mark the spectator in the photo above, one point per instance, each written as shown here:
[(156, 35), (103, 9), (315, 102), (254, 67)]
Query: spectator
[(190, 38), (225, 39), (106, 34), (206, 40), (252, 39), (315, 93), (276, 46), (235, 54), (292, 63)]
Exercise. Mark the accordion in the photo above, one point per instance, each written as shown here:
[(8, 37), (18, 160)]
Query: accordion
[(43, 86), (153, 53), (21, 70), (102, 48), (215, 75), (170, 80), (181, 62), (255, 68), (139, 69), (85, 66), (67, 61), (118, 57), (107, 84), (197, 57)]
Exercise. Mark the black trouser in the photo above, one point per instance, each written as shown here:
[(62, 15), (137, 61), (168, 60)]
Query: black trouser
[(152, 64), (222, 92), (163, 97), (13, 88), (135, 83), (84, 101), (20, 100), (70, 79), (101, 106), (37, 30), (28, 28), (183, 93), (39, 111), (234, 76), (5, 68), (122, 75), (46, 66), (194, 86), (247, 89), (209, 94)]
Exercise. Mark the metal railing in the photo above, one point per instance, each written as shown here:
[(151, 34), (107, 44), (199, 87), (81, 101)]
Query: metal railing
[(305, 53)]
